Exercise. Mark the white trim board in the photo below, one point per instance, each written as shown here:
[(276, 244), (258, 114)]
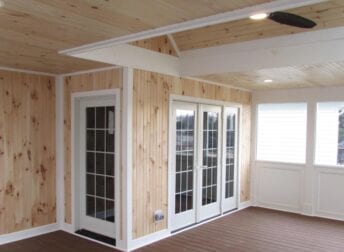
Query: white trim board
[(218, 84), (26, 71), (59, 130), (277, 5), (127, 110), (28, 233), (133, 57), (307, 48), (95, 70)]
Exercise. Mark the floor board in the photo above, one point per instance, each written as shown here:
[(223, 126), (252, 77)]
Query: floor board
[(252, 229)]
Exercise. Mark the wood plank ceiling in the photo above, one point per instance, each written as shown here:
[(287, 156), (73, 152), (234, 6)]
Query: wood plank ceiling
[(318, 75), (327, 15), (33, 31)]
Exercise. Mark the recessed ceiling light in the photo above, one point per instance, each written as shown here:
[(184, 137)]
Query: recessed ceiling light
[(259, 16), (267, 81)]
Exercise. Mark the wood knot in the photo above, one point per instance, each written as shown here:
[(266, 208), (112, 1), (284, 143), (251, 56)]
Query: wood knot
[(9, 189), (29, 155), (34, 95)]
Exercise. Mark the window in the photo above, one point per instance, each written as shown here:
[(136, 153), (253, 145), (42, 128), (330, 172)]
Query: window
[(330, 133), (281, 132)]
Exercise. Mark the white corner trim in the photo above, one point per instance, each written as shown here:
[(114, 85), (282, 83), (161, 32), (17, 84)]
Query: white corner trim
[(127, 110), (245, 204), (26, 71), (133, 57), (59, 131), (218, 84), (28, 233), (148, 239), (195, 23)]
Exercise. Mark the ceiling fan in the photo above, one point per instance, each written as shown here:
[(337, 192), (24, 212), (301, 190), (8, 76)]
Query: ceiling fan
[(291, 19), (287, 19)]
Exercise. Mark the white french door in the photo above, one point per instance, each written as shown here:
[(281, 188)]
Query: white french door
[(203, 162), (184, 163), (98, 136), (209, 162), (230, 159)]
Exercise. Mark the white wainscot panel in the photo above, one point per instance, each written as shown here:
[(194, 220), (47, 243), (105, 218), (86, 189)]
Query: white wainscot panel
[(280, 188), (330, 194)]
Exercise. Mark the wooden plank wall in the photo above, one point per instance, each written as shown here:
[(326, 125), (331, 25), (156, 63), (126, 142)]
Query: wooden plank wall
[(27, 151), (150, 141), (107, 79)]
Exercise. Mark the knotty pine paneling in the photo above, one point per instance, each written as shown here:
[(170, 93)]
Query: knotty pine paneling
[(27, 151), (32, 32), (150, 141), (159, 44), (107, 79)]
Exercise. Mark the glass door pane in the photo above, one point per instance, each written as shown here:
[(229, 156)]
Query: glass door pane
[(210, 157), (230, 118), (184, 177), (100, 163), (230, 158)]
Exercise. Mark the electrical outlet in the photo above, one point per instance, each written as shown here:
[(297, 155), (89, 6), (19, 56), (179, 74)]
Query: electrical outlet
[(158, 215)]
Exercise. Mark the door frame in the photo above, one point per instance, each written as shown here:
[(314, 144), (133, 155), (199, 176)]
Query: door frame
[(191, 99), (76, 99)]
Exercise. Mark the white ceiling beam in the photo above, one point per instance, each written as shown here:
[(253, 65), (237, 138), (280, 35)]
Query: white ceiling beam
[(306, 48), (134, 57), (174, 44), (272, 6)]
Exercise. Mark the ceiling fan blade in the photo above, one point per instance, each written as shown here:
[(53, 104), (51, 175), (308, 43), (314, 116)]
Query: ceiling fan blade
[(291, 19)]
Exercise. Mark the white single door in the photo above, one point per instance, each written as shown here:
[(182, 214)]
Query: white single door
[(183, 146), (209, 163), (230, 159), (98, 159)]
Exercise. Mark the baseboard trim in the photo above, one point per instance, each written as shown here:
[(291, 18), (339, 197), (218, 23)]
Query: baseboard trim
[(245, 204), (316, 214), (148, 239), (67, 228), (28, 233)]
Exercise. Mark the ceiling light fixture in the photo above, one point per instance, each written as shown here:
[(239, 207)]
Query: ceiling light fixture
[(267, 81), (259, 16)]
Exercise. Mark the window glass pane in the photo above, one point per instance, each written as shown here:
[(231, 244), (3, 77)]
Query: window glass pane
[(330, 133), (281, 132), (110, 188), (90, 140), (100, 163), (100, 140), (90, 179), (110, 211), (100, 117), (100, 186), (110, 166), (90, 118), (100, 208), (90, 206), (90, 162)]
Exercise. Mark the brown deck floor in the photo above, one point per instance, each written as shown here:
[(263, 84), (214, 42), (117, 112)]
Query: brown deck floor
[(253, 229)]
